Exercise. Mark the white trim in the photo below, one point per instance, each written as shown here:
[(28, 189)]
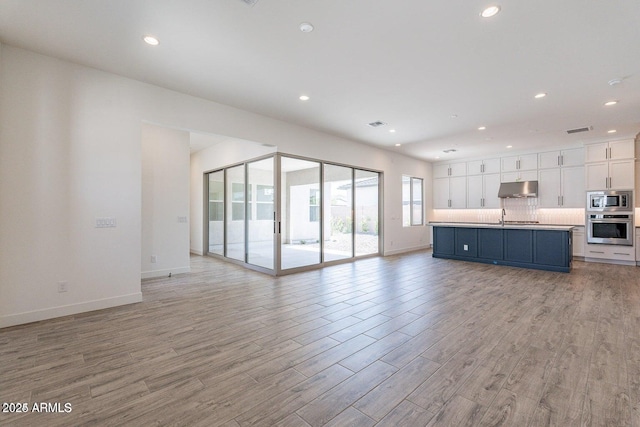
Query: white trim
[(161, 273), (67, 310), (196, 252)]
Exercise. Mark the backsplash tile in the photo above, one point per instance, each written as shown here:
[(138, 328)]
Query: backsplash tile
[(525, 209)]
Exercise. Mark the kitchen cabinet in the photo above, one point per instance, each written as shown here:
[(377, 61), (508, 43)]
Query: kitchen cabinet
[(531, 175), (612, 150), (578, 241), (561, 187), (614, 174), (450, 192), (482, 191), (613, 253), (445, 170), (519, 163), (637, 173), (484, 166), (564, 158), (544, 248)]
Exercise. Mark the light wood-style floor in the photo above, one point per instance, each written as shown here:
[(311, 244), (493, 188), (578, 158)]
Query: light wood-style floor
[(397, 341)]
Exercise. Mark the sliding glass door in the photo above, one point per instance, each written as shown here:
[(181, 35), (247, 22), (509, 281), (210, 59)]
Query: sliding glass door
[(216, 213), (367, 197), (260, 221), (300, 212), (281, 214), (338, 212), (235, 213)]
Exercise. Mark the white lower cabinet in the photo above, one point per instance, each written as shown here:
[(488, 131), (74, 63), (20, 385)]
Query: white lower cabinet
[(626, 254), (578, 241)]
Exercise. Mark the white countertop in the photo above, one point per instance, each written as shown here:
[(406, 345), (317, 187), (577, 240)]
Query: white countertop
[(496, 225)]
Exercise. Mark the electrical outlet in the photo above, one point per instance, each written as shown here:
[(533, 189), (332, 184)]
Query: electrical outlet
[(466, 247), (154, 259), (63, 286)]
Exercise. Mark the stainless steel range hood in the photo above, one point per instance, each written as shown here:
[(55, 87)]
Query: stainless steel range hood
[(518, 189)]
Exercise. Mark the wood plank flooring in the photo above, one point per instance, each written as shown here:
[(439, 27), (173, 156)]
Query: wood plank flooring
[(403, 340)]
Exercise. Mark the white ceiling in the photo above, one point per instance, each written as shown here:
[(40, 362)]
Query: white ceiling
[(411, 63)]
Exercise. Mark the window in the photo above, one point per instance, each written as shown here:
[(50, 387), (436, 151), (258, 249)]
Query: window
[(412, 206)]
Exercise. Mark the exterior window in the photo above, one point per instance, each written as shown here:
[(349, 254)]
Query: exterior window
[(412, 201)]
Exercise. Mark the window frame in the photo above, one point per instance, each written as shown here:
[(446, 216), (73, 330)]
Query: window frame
[(412, 180)]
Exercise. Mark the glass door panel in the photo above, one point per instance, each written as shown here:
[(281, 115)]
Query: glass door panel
[(338, 206), (216, 213), (300, 213), (235, 213), (366, 212), (261, 220)]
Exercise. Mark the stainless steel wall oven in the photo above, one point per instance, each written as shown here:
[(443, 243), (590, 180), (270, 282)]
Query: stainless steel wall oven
[(610, 217)]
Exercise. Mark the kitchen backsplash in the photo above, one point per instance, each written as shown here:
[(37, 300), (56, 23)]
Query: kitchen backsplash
[(525, 209)]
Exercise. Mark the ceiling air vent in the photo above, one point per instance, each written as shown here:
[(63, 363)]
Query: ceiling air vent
[(587, 129), (450, 150), (250, 2), (376, 124)]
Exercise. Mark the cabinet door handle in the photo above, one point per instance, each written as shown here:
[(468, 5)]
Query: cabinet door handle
[(559, 203), (562, 200), (559, 161)]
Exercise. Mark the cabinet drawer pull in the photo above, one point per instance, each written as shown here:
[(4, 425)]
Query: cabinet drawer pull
[(596, 252)]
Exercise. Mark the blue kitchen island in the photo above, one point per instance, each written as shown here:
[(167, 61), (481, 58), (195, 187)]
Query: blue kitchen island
[(543, 247)]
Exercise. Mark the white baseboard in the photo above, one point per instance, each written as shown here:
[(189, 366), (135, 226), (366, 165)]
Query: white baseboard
[(405, 250), (67, 310), (162, 273), (196, 252)]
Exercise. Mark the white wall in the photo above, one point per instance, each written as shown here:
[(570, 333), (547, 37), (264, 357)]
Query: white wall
[(70, 152), (165, 199)]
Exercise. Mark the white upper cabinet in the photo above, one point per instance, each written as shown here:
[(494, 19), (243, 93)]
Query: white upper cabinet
[(561, 187), (450, 192), (613, 175), (478, 167), (554, 159), (447, 170), (613, 150), (610, 165), (520, 163), (482, 191)]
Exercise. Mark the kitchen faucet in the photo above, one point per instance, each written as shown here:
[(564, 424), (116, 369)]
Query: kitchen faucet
[(502, 216)]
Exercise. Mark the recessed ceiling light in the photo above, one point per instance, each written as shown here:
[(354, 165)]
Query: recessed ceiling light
[(304, 98), (490, 11), (509, 146), (437, 157), (609, 103), (305, 27), (540, 95), (612, 131), (482, 128), (454, 116), (151, 40), (398, 145), (392, 130)]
